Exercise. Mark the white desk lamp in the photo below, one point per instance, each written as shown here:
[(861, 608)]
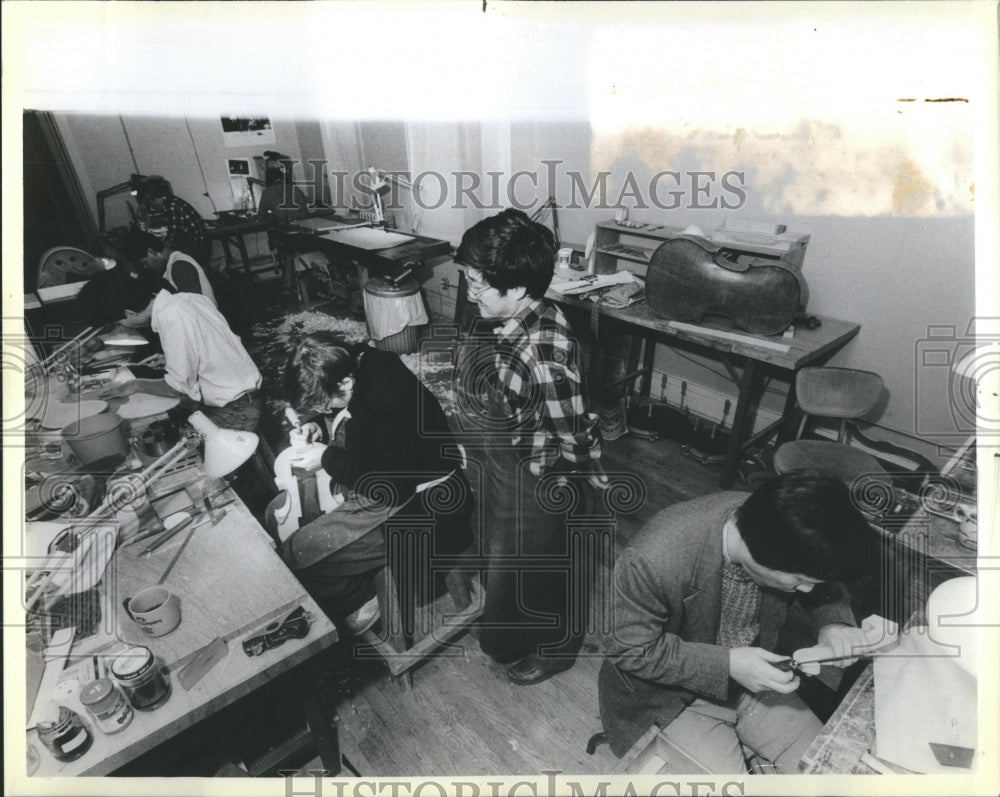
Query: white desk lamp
[(225, 449)]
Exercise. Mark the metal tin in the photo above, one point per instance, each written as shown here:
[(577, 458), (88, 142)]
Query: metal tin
[(67, 738), (107, 705), (141, 678)]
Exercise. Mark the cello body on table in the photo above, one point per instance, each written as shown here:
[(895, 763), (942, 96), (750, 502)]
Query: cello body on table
[(691, 278)]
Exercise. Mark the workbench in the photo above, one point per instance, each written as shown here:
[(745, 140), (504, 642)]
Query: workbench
[(757, 354), (347, 253), (231, 583)]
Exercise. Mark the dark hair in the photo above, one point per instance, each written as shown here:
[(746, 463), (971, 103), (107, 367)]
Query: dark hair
[(804, 522), (136, 244), (316, 367), (273, 174), (105, 298), (154, 189), (512, 251)]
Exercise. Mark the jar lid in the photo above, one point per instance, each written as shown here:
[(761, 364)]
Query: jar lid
[(132, 663), (50, 725), (381, 286), (96, 693)]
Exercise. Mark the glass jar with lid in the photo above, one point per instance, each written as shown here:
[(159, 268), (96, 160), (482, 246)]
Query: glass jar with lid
[(141, 678), (65, 735), (107, 705)]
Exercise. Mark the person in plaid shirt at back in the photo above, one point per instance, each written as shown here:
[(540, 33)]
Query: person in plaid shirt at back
[(185, 227), (523, 392)]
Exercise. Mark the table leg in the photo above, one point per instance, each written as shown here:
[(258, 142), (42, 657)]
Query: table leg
[(242, 246), (322, 721), (747, 396), (648, 356), (789, 417)]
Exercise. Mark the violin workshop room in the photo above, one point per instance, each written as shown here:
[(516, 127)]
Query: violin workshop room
[(501, 398)]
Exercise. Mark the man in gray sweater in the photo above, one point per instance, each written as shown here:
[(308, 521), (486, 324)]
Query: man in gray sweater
[(700, 596)]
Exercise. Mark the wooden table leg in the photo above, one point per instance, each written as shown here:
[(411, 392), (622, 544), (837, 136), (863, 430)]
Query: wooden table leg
[(747, 397), (648, 356), (789, 417), (322, 720)]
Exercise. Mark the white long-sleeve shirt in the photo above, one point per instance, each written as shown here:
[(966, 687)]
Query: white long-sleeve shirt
[(205, 360)]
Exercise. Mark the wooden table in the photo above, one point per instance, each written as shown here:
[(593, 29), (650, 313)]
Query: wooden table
[(232, 235), (848, 733), (231, 584), (756, 353)]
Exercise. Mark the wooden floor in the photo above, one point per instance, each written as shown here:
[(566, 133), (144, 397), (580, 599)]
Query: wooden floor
[(463, 716)]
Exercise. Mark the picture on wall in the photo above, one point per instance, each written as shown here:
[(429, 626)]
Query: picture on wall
[(242, 131)]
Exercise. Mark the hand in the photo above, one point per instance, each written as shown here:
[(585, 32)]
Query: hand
[(305, 434), (308, 457), (154, 361), (841, 640), (752, 668), (120, 390)]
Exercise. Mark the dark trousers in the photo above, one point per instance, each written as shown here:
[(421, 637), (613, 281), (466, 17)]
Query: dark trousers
[(537, 595), (420, 542)]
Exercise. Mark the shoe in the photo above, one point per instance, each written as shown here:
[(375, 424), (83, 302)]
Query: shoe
[(364, 618), (533, 670)]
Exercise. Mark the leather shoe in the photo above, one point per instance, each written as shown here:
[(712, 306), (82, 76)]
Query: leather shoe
[(533, 670)]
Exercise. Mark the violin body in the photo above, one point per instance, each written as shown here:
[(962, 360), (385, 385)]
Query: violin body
[(691, 278), (302, 490)]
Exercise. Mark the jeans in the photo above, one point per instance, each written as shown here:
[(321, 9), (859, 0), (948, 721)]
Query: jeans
[(775, 726)]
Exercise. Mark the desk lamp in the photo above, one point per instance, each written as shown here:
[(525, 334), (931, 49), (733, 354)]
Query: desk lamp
[(225, 449)]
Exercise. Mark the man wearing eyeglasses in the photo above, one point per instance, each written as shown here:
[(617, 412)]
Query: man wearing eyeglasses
[(522, 394)]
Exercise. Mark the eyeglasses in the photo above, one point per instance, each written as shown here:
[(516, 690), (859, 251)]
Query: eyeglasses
[(475, 284)]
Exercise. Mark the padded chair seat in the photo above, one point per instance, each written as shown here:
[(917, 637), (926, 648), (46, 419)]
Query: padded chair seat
[(842, 461)]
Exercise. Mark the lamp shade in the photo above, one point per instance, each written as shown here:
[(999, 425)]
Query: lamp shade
[(225, 449)]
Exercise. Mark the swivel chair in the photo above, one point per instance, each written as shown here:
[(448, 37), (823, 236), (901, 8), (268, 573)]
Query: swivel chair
[(840, 393)]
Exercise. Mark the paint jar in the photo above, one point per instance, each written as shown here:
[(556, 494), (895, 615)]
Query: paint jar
[(141, 678), (67, 737), (107, 705)]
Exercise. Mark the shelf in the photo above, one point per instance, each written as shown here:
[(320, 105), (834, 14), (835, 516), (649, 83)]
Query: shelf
[(638, 254)]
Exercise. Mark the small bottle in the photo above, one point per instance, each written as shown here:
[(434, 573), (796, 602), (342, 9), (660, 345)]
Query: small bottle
[(141, 678), (107, 705), (67, 737)]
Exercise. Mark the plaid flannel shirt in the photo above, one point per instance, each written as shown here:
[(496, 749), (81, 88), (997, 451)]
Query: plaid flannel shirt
[(184, 224), (538, 376)]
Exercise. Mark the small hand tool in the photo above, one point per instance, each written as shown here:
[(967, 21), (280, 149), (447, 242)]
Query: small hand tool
[(202, 661), (211, 518), (792, 664)]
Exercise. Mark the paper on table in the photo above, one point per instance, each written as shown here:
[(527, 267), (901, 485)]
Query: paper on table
[(922, 695)]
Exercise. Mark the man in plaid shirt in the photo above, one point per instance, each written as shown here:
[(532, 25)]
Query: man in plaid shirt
[(522, 391), (185, 227)]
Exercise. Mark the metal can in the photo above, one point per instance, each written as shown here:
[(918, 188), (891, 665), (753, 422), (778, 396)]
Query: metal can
[(67, 737), (141, 678), (107, 705)]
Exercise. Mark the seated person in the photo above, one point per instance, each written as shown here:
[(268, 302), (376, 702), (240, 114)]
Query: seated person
[(395, 438), (179, 269), (205, 363), (281, 200), (700, 596), (185, 227)]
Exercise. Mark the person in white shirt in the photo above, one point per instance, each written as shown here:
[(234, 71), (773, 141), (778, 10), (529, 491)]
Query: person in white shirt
[(181, 270), (205, 363)]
